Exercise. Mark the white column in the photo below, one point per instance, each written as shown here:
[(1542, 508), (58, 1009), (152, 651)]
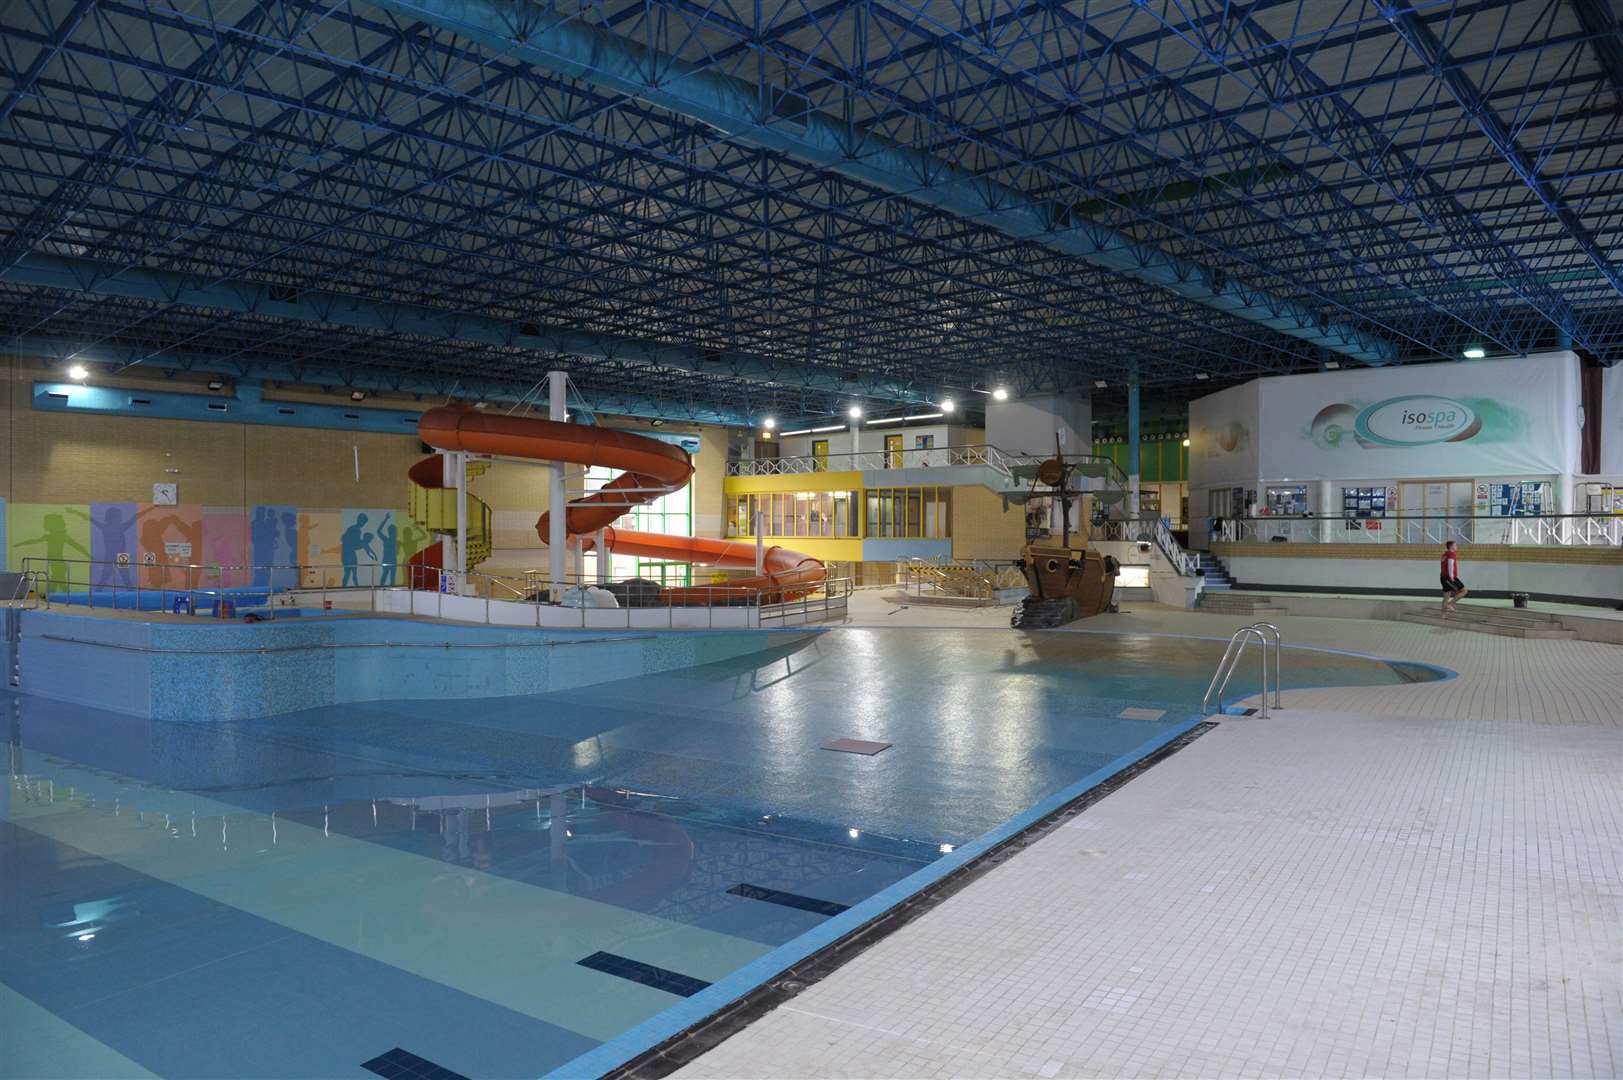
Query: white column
[(603, 559), (760, 543), (448, 544), (557, 499), (461, 582)]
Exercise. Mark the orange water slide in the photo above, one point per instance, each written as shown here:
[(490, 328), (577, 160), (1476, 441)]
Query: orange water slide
[(651, 468)]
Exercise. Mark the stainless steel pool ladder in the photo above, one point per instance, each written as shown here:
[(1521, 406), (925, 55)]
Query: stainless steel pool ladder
[(1268, 635)]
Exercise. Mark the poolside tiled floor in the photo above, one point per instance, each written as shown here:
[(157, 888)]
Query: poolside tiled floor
[(1414, 880)]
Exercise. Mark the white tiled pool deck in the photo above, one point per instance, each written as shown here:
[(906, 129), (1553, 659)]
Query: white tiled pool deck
[(1418, 880)]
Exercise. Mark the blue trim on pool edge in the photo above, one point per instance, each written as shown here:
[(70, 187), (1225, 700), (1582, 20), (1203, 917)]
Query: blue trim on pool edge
[(723, 992)]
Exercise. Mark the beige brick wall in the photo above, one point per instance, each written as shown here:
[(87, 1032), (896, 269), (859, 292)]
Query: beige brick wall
[(982, 529), (80, 458)]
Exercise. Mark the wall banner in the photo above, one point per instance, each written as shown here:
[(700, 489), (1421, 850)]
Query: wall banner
[(1513, 417)]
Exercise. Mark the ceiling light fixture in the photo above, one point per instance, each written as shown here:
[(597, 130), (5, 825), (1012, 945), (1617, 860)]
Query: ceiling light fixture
[(1475, 352), (78, 373), (854, 412), (769, 423), (948, 405), (1000, 394)]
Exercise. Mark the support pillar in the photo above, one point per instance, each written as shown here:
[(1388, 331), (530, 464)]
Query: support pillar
[(1132, 450), (603, 558), (760, 543), (557, 498), (459, 584)]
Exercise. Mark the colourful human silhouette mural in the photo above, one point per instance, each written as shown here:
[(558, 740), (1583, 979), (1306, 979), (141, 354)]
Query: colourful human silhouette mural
[(165, 566), (356, 541), (57, 533), (273, 538)]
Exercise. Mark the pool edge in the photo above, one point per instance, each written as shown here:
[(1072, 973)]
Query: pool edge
[(644, 1051)]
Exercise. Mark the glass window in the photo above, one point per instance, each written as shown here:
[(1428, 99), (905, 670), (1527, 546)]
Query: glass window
[(909, 513)]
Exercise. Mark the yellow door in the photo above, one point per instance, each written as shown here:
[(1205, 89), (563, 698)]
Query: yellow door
[(893, 451), (820, 454)]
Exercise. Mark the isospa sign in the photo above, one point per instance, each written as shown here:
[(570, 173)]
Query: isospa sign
[(1416, 420)]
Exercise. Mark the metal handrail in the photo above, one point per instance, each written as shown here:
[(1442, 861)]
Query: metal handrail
[(1231, 661), (1156, 529), (28, 581), (1563, 530), (766, 602), (314, 645), (1000, 461), (1269, 630)]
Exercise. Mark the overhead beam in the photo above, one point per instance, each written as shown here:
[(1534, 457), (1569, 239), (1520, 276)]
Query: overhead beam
[(1426, 45), (113, 358), (1605, 29), (254, 298), (784, 122)]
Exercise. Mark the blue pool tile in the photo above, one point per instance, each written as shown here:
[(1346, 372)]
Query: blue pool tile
[(186, 986)]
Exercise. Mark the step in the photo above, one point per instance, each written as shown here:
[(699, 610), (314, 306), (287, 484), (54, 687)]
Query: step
[(1460, 618), (1529, 616), (1436, 618)]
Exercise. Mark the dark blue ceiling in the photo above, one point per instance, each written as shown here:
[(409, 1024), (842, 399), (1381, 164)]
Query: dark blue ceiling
[(720, 210)]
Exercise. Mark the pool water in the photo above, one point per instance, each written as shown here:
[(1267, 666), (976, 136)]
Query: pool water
[(500, 886)]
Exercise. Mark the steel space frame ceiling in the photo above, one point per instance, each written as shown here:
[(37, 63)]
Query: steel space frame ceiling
[(720, 210)]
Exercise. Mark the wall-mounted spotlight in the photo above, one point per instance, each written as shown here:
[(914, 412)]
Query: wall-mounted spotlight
[(1000, 394), (1202, 376), (357, 395), (78, 373), (1100, 384), (1186, 442), (216, 384), (656, 423)]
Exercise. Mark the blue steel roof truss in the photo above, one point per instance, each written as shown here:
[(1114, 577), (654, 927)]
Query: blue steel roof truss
[(1419, 177)]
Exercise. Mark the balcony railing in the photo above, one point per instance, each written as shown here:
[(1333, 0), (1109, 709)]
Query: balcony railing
[(1001, 462), (1563, 530)]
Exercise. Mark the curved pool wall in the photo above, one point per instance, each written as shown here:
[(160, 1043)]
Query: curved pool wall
[(209, 671)]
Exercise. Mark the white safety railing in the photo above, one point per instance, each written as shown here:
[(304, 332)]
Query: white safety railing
[(999, 461), (1564, 530), (481, 597), (1152, 530)]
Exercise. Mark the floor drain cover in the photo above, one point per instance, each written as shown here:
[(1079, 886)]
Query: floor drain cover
[(856, 746)]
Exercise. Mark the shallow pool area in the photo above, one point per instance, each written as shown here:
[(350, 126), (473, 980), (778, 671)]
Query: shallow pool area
[(513, 885)]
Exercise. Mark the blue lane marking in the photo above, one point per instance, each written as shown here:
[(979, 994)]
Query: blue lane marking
[(672, 982), (656, 1029), (398, 1064), (789, 899)]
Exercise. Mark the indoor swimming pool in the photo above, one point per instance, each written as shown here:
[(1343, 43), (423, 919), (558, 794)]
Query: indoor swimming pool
[(523, 885)]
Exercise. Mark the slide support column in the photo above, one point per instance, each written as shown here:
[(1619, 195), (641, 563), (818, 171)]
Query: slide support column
[(557, 498), (1132, 449)]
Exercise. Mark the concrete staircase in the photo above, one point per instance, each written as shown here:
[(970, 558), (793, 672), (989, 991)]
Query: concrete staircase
[(1217, 575), (1240, 604), (1506, 622)]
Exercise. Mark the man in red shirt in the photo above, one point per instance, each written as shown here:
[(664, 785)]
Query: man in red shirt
[(1453, 587)]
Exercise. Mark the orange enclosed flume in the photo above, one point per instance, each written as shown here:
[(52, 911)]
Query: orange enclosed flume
[(650, 467)]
